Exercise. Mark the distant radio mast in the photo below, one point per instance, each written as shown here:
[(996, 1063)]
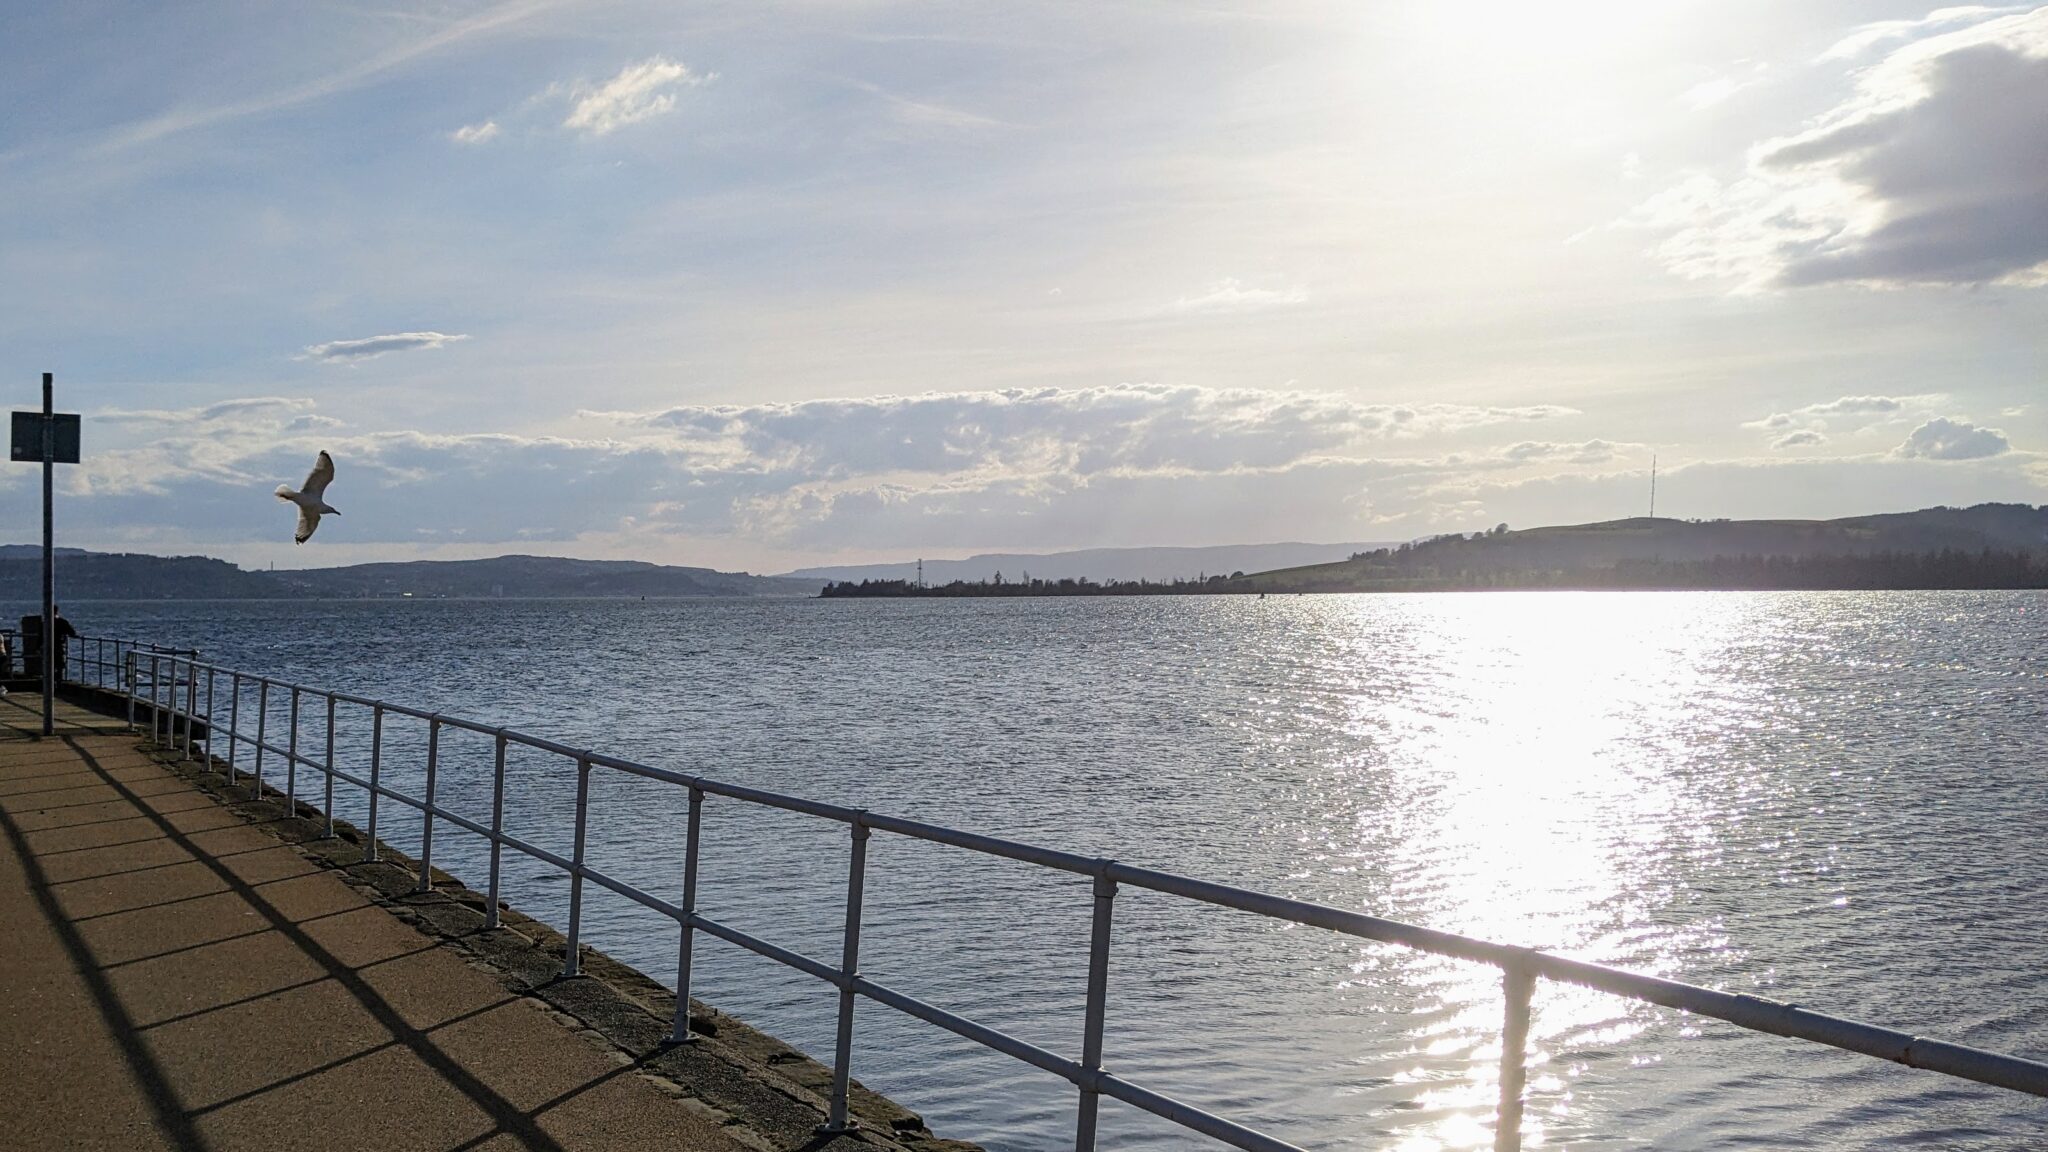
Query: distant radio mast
[(1653, 485), (920, 571)]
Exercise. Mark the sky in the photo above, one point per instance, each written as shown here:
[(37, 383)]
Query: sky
[(763, 285)]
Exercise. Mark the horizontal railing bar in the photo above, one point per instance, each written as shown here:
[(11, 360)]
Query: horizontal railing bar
[(644, 899), (768, 799), (1761, 1014), (348, 777), (1753, 1012), (543, 745), (646, 771), (1320, 916), (468, 725), (981, 1034), (988, 845), (776, 952), (1189, 1116), (286, 754), (463, 822), (537, 852)]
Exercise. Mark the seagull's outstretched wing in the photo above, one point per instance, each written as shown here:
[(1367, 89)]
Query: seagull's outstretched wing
[(308, 520), (316, 485)]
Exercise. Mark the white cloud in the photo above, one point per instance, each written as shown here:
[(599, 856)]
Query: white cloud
[(639, 92), (1804, 438), (1233, 295), (1934, 172), (248, 407), (371, 347), (1846, 410), (1869, 36), (1945, 439), (1029, 468), (1083, 431), (475, 133), (1589, 452), (1716, 90)]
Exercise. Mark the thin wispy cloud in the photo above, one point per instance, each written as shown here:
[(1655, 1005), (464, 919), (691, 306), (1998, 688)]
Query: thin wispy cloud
[(639, 92), (371, 347), (926, 113), (1718, 89), (371, 68), (1233, 295), (1856, 409), (475, 133)]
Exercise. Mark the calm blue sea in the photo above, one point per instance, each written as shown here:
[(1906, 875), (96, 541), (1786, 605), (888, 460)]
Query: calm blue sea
[(1838, 799)]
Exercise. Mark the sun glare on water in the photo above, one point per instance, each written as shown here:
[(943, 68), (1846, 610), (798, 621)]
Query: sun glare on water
[(1538, 795)]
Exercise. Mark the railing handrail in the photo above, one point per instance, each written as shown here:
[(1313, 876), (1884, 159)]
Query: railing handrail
[(1520, 966), (15, 633), (97, 659)]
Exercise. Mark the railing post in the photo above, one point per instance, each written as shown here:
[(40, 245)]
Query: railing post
[(837, 1120), (262, 723), (497, 830), (1098, 998), (191, 703), (571, 956), (99, 661), (209, 715), (327, 800), (427, 817), (156, 710), (680, 1033), (234, 722), (376, 777), (128, 670), (291, 760), (1519, 984)]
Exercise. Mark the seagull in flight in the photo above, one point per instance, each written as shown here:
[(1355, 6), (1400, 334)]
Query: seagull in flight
[(310, 499)]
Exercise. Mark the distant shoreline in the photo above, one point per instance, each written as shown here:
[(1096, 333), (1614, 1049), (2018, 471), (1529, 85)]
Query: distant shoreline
[(1884, 572)]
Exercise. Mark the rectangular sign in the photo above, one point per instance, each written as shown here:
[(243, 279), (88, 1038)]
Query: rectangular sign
[(28, 437)]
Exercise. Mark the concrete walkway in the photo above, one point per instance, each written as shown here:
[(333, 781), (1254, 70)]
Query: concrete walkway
[(172, 976)]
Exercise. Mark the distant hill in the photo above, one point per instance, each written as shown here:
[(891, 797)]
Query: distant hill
[(83, 575), (541, 576), (1100, 564), (1902, 549)]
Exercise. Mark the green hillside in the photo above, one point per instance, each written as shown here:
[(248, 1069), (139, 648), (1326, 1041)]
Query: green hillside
[(1989, 545)]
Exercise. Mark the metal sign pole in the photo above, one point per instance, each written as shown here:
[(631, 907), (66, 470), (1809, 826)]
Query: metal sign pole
[(49, 557), (51, 437)]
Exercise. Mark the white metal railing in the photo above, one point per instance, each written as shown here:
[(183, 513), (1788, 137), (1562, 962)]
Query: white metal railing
[(94, 660), (1520, 967)]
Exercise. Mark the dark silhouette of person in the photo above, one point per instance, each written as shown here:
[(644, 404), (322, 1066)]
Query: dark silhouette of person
[(65, 634), (32, 642)]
